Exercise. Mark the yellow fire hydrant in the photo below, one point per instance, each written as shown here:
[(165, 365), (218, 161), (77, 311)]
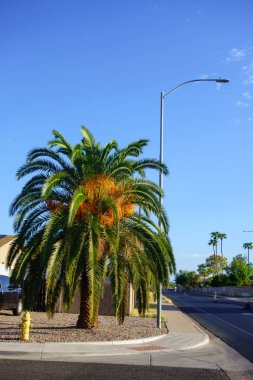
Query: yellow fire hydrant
[(26, 325)]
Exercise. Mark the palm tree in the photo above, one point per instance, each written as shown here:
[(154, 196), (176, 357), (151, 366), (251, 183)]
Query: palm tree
[(76, 221), (215, 235), (248, 246), (221, 236), (218, 236), (214, 243)]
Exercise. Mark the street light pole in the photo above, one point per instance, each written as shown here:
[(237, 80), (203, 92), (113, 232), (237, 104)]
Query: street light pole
[(159, 294), (163, 96)]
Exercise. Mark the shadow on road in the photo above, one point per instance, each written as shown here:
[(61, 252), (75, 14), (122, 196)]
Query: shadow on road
[(58, 370)]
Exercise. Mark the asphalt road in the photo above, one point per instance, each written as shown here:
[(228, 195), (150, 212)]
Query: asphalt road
[(225, 318), (39, 370)]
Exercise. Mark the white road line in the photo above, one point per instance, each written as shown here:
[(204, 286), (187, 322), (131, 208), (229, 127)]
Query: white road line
[(220, 319)]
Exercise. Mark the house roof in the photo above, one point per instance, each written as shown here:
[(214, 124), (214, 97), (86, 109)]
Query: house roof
[(4, 239)]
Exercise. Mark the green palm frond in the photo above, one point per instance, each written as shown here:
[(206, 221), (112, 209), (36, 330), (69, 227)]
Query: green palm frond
[(37, 166), (61, 143), (106, 151), (47, 152), (135, 149), (88, 140), (53, 181), (119, 282), (151, 164), (121, 169), (78, 198)]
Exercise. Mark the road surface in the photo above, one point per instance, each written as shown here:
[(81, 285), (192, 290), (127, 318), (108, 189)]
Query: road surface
[(225, 318), (39, 370)]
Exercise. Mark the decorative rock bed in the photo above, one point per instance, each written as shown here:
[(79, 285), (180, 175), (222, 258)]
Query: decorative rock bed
[(61, 328)]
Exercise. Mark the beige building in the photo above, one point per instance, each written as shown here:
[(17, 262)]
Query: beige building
[(5, 242)]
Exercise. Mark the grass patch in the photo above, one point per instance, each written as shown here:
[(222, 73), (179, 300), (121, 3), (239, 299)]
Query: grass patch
[(166, 300), (152, 310), (151, 313)]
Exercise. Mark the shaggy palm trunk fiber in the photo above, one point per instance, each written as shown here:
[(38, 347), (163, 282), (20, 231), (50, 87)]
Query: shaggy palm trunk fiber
[(85, 320)]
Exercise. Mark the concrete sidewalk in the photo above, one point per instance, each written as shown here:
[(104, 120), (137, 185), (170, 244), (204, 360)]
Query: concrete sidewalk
[(183, 335)]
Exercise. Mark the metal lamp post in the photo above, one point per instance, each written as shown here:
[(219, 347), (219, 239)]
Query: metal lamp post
[(163, 96)]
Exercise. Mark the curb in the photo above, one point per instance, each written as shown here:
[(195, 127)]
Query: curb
[(203, 343), (93, 343), (113, 342)]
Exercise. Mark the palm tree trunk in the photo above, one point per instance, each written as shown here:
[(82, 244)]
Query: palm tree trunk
[(84, 318), (221, 247)]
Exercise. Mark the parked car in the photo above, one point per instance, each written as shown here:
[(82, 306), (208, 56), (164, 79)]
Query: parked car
[(10, 298)]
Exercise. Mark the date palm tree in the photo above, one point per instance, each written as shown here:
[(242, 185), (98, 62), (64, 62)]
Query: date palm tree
[(76, 219), (248, 246)]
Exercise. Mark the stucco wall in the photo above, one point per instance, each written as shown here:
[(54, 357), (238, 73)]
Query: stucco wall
[(106, 303), (230, 291), (4, 249)]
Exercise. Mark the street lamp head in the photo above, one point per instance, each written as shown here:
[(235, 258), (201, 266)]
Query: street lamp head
[(220, 80)]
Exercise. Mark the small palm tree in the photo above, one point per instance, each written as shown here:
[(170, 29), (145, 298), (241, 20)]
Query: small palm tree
[(248, 246)]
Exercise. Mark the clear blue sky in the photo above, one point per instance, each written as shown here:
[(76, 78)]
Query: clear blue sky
[(103, 64)]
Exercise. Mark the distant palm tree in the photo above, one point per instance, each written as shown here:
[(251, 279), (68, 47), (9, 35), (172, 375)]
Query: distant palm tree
[(248, 246), (218, 236), (215, 236), (214, 243), (221, 236)]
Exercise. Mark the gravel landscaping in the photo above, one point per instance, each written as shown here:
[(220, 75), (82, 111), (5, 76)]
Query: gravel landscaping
[(61, 328)]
